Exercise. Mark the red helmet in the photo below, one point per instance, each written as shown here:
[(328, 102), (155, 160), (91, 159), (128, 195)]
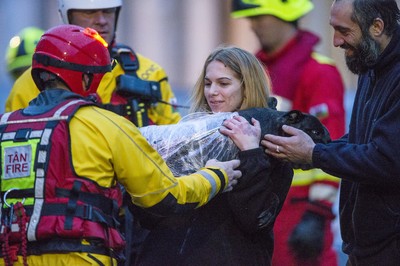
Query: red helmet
[(69, 51)]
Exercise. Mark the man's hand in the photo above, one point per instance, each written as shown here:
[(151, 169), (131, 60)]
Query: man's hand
[(243, 134), (229, 167), (296, 149)]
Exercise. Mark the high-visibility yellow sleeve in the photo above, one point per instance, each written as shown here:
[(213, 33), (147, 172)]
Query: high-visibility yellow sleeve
[(122, 154)]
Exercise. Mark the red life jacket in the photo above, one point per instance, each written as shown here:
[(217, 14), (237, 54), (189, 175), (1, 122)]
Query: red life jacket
[(37, 170)]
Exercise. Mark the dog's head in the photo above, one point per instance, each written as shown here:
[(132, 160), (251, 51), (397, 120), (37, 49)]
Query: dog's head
[(307, 123), (271, 122)]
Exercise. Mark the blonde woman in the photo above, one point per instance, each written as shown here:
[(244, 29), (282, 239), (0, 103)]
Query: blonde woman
[(235, 228)]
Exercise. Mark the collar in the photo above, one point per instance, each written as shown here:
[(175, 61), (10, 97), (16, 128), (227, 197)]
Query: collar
[(48, 99)]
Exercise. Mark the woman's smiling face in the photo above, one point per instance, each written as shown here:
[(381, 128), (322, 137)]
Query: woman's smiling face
[(222, 88)]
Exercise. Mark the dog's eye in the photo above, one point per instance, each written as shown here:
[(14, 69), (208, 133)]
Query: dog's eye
[(315, 132)]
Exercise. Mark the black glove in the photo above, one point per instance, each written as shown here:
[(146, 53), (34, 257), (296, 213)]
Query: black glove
[(307, 238)]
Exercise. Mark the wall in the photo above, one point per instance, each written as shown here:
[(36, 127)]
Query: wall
[(178, 34)]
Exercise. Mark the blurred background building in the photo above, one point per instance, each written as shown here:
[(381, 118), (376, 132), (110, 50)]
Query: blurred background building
[(178, 34)]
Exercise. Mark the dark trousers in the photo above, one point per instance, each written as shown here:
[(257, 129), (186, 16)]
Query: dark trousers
[(388, 256)]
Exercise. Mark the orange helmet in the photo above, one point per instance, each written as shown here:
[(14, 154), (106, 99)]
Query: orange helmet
[(69, 51)]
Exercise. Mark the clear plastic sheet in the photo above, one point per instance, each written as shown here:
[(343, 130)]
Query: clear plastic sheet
[(188, 145)]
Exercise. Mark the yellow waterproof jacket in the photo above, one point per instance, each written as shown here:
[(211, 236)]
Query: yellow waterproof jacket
[(107, 149), (24, 90)]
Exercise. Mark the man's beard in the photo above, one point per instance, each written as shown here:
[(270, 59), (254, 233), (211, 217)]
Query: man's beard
[(365, 55)]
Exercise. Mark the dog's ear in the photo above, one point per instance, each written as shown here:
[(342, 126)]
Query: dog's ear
[(272, 102), (293, 117)]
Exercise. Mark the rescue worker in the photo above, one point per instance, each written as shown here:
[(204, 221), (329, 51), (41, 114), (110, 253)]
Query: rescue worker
[(138, 89), (20, 50), (63, 157), (135, 103), (307, 81)]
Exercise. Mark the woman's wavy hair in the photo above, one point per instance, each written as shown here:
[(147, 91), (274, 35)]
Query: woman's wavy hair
[(248, 69)]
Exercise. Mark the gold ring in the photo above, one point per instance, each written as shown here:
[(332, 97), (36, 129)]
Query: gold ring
[(277, 149)]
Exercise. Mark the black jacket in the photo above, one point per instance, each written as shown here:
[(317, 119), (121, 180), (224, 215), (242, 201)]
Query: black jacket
[(367, 159), (235, 228)]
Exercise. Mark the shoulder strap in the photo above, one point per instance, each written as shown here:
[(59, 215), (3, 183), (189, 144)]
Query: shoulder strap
[(139, 93), (127, 58)]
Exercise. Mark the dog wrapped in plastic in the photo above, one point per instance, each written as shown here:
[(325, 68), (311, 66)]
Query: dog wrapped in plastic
[(188, 145)]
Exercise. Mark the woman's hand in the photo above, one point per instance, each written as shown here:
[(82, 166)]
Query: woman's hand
[(242, 133)]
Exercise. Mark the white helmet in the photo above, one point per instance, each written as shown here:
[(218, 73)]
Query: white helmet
[(65, 5)]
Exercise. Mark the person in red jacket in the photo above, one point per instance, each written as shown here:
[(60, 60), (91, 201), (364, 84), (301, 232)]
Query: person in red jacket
[(303, 80)]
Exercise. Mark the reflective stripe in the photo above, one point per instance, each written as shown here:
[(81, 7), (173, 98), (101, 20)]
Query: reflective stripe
[(46, 136), (37, 120), (213, 184), (57, 114), (8, 136), (11, 135), (34, 221), (36, 134), (42, 155), (4, 118), (39, 172), (306, 178), (39, 188)]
